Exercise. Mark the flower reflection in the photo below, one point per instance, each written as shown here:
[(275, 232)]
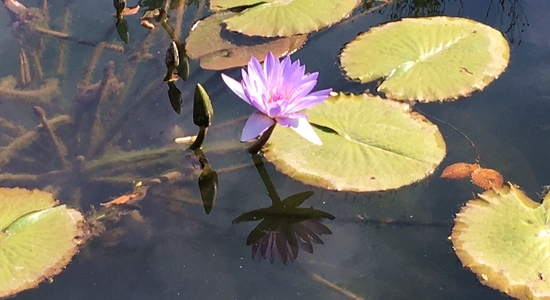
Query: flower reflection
[(283, 243), (285, 227)]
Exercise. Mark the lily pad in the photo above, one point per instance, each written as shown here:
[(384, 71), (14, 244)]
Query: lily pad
[(369, 144), (219, 49), (502, 236), (37, 238), (427, 59), (265, 18)]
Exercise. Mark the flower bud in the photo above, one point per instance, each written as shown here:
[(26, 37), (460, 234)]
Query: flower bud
[(202, 108)]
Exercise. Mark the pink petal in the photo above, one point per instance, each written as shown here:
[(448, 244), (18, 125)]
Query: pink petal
[(309, 100), (236, 87), (256, 74), (271, 67), (256, 124), (305, 130)]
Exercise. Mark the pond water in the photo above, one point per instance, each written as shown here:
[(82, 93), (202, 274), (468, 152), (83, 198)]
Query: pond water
[(173, 250)]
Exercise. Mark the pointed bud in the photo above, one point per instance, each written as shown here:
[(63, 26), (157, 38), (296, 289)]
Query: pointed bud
[(172, 60), (119, 5), (202, 108)]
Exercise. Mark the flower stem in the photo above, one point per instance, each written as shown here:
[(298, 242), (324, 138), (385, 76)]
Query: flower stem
[(197, 144), (257, 146), (271, 190)]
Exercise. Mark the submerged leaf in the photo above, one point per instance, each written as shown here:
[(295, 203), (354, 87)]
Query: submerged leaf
[(128, 199)]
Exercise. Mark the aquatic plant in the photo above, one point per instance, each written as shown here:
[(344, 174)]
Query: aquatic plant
[(369, 142), (279, 91)]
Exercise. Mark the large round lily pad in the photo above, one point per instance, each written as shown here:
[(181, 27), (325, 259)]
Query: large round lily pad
[(369, 144), (503, 237), (37, 238), (271, 18), (219, 49), (427, 59)]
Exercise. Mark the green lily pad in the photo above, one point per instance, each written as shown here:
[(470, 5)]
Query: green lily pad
[(264, 18), (427, 59), (503, 236), (37, 238), (369, 144), (219, 49)]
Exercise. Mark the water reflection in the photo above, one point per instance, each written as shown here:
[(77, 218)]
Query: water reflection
[(507, 15), (285, 228)]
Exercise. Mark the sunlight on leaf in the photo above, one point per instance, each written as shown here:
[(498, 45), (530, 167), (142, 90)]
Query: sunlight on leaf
[(427, 59), (37, 238), (369, 144), (300, 16), (219, 49), (502, 236)]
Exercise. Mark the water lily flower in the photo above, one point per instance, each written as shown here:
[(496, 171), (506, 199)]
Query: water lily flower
[(279, 90)]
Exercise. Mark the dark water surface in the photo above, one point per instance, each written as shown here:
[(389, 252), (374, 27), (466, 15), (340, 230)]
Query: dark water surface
[(178, 252)]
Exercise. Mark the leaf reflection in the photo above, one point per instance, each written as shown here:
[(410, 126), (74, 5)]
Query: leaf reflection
[(285, 228)]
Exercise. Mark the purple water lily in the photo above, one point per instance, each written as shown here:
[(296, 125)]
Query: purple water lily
[(279, 90)]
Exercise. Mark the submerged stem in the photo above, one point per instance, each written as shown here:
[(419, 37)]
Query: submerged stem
[(57, 146)]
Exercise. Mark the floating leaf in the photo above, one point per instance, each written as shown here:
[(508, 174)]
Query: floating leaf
[(369, 144), (219, 49), (487, 178), (300, 16), (37, 240), (427, 59), (502, 236), (123, 30), (459, 170)]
